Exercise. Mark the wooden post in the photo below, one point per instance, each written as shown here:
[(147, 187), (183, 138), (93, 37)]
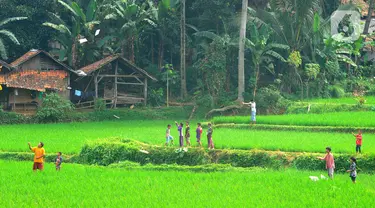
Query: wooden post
[(145, 92), (115, 88), (96, 86)]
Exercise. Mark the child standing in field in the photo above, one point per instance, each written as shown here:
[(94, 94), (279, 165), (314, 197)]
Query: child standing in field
[(353, 169), (199, 131), (180, 129), (169, 138), (58, 161), (187, 134), (210, 131), (358, 141), (330, 162)]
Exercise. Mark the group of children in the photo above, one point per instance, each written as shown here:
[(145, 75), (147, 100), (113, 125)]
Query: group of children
[(39, 155), (198, 131), (330, 162)]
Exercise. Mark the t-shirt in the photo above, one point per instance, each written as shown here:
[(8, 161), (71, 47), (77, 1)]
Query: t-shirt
[(59, 162), (253, 106), (187, 131), (353, 170), (168, 132), (210, 131), (330, 162), (38, 152), (199, 132), (180, 131), (358, 139)]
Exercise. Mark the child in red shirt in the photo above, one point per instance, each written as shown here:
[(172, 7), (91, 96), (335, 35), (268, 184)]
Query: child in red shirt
[(358, 141)]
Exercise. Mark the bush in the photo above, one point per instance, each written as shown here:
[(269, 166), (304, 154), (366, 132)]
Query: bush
[(336, 91), (270, 101), (11, 118), (99, 105), (54, 108)]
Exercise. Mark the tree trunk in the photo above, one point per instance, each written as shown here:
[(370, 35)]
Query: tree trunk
[(132, 52), (369, 17), (183, 51), (152, 50), (256, 80), (161, 54), (74, 54), (241, 52)]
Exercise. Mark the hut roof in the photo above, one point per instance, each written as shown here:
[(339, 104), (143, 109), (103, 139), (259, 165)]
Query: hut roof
[(4, 64), (107, 60), (32, 53)]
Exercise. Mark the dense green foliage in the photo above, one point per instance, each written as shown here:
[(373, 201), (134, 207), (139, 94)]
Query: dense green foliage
[(288, 46)]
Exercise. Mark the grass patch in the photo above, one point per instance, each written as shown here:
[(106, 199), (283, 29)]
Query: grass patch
[(84, 186), (346, 119), (70, 137)]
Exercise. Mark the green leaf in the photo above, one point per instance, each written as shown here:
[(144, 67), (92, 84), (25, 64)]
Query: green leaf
[(3, 52), (13, 19), (206, 34), (316, 23), (62, 54), (275, 55), (91, 10), (78, 11), (61, 28), (68, 8), (104, 40), (10, 35)]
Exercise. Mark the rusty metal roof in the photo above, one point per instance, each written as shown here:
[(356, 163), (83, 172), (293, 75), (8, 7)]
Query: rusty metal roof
[(32, 53), (109, 59), (34, 79)]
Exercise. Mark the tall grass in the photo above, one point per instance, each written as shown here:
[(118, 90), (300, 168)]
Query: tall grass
[(85, 186), (69, 138), (347, 119)]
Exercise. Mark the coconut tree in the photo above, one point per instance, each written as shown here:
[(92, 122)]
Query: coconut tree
[(8, 34), (83, 21), (241, 52)]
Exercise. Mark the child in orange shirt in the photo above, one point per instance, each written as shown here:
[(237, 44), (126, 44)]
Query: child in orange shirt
[(358, 141)]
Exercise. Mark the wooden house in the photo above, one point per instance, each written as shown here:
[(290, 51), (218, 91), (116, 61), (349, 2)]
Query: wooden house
[(116, 80), (31, 75)]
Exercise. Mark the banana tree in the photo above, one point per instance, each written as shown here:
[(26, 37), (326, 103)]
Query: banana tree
[(83, 21), (131, 19), (6, 33), (263, 52)]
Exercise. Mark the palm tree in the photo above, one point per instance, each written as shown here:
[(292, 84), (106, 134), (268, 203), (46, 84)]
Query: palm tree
[(183, 50), (8, 34), (263, 52), (82, 25), (241, 52)]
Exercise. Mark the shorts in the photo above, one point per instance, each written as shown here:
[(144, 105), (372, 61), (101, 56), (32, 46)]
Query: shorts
[(353, 178), (330, 172), (187, 139), (58, 167), (253, 115), (358, 148), (169, 138), (38, 166)]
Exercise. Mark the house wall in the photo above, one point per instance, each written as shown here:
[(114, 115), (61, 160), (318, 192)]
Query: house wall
[(41, 62), (23, 99)]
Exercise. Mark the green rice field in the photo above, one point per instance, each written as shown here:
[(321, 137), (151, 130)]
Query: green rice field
[(346, 119), (90, 186), (70, 137), (370, 100)]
